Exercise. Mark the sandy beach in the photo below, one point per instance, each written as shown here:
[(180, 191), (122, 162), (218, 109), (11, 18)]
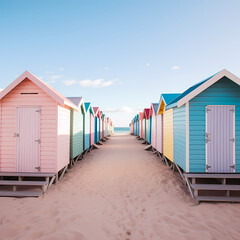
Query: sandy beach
[(119, 192)]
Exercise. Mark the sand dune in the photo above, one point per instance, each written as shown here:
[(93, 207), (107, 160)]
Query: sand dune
[(118, 192)]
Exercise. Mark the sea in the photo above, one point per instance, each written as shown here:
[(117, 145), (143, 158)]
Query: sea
[(121, 130)]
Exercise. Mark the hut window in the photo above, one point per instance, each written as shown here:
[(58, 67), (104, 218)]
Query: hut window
[(29, 93)]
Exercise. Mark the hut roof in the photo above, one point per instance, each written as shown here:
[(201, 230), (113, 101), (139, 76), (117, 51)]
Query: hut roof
[(55, 95), (88, 107), (196, 89), (153, 109), (78, 101), (146, 113)]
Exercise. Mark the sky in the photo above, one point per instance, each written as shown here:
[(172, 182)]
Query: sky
[(119, 55)]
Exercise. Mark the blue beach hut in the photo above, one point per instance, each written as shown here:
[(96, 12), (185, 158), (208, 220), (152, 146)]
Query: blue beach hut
[(206, 125)]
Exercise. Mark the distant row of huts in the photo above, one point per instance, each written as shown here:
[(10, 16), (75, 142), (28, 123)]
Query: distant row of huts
[(199, 129), (41, 131)]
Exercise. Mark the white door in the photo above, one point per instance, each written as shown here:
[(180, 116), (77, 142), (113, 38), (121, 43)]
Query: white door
[(28, 139), (220, 139)]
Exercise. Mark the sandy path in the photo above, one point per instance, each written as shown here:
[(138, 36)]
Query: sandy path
[(118, 192)]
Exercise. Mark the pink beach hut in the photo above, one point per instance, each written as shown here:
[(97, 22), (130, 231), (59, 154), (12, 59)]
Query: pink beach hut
[(34, 127), (153, 122), (141, 124), (92, 127)]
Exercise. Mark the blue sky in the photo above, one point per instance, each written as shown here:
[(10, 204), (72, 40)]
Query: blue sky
[(122, 54)]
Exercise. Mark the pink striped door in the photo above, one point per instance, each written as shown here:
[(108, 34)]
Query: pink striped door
[(28, 139)]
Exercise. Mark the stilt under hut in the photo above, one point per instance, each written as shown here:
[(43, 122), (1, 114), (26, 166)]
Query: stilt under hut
[(164, 129), (35, 133), (77, 128), (153, 124)]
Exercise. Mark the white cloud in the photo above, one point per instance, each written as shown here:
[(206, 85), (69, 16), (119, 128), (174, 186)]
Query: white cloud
[(54, 77), (96, 83), (175, 67), (69, 82), (61, 69), (147, 64)]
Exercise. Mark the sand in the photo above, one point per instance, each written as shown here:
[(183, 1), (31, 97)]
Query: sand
[(118, 192)]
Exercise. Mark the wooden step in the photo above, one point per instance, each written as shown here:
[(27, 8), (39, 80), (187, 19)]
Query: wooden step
[(218, 199), (215, 187), (17, 174), (22, 183), (212, 175), (20, 194)]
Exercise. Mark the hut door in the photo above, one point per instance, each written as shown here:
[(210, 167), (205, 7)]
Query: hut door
[(28, 139), (220, 139)]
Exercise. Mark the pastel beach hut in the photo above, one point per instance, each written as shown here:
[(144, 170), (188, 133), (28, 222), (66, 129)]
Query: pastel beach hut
[(105, 125), (137, 120), (144, 126), (101, 126), (207, 125), (34, 128), (77, 119), (146, 114), (206, 135), (97, 124), (165, 128), (141, 125), (153, 124), (92, 127), (88, 132)]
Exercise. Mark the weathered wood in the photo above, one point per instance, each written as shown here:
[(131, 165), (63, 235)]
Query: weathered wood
[(189, 187), (62, 174), (94, 146), (100, 143), (18, 174), (218, 199), (20, 194), (148, 148), (22, 183), (216, 187), (51, 181), (212, 175)]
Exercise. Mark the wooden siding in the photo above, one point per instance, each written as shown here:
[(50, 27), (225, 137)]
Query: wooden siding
[(179, 136), (154, 132), (76, 136), (159, 133), (144, 128), (92, 129), (48, 126), (87, 131), (63, 137), (223, 92), (168, 134)]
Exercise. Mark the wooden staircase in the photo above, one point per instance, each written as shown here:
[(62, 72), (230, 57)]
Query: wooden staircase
[(25, 184), (214, 187)]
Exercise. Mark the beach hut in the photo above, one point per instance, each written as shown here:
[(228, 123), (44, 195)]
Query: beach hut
[(165, 129), (97, 124), (146, 114), (105, 125), (35, 127), (206, 124), (141, 124), (77, 127), (88, 126), (153, 124), (144, 125), (137, 120)]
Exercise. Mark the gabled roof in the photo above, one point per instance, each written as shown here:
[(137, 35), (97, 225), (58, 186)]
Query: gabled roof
[(196, 89), (55, 95), (167, 98), (78, 101), (153, 109), (141, 115), (88, 107), (146, 113), (97, 111)]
